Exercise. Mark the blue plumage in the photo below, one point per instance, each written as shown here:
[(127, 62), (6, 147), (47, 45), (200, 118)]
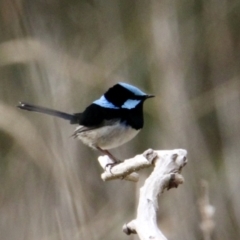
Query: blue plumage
[(128, 104), (110, 121), (132, 89), (103, 102), (131, 104)]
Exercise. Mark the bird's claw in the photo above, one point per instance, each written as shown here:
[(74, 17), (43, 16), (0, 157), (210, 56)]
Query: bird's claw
[(111, 165)]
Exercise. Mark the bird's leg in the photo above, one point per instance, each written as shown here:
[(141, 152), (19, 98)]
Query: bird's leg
[(116, 161), (109, 154)]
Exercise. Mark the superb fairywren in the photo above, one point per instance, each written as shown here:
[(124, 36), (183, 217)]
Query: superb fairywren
[(112, 120)]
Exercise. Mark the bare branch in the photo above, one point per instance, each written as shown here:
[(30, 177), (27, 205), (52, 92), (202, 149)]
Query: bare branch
[(166, 175), (126, 169)]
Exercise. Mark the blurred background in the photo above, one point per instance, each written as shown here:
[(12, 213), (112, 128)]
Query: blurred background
[(64, 54)]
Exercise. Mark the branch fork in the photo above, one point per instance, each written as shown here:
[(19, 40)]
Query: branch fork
[(168, 165)]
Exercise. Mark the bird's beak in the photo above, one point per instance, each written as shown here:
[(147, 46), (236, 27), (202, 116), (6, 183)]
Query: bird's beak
[(149, 96)]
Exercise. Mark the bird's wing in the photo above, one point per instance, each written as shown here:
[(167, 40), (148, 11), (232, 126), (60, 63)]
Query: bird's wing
[(81, 128), (94, 115)]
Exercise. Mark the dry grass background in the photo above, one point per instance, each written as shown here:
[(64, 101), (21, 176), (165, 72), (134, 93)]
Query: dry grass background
[(64, 54)]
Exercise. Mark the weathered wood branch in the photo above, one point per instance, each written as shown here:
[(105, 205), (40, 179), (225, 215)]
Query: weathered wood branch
[(166, 174)]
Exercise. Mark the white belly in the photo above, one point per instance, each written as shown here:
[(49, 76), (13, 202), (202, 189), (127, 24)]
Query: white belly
[(107, 137)]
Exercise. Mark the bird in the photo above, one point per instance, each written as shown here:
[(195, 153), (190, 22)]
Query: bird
[(108, 122)]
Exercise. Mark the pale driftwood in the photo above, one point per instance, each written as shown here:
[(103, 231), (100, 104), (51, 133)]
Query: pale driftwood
[(166, 174)]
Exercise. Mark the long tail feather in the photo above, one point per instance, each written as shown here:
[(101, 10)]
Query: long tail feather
[(30, 107)]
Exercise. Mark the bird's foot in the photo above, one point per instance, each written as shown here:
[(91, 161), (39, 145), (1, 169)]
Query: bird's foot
[(114, 159), (111, 165)]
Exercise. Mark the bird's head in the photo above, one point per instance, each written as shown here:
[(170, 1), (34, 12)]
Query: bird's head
[(122, 95)]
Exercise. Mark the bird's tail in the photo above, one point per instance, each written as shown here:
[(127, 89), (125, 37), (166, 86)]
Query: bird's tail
[(73, 118)]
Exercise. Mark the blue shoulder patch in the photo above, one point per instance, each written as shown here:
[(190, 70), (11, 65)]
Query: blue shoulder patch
[(133, 89), (103, 102)]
